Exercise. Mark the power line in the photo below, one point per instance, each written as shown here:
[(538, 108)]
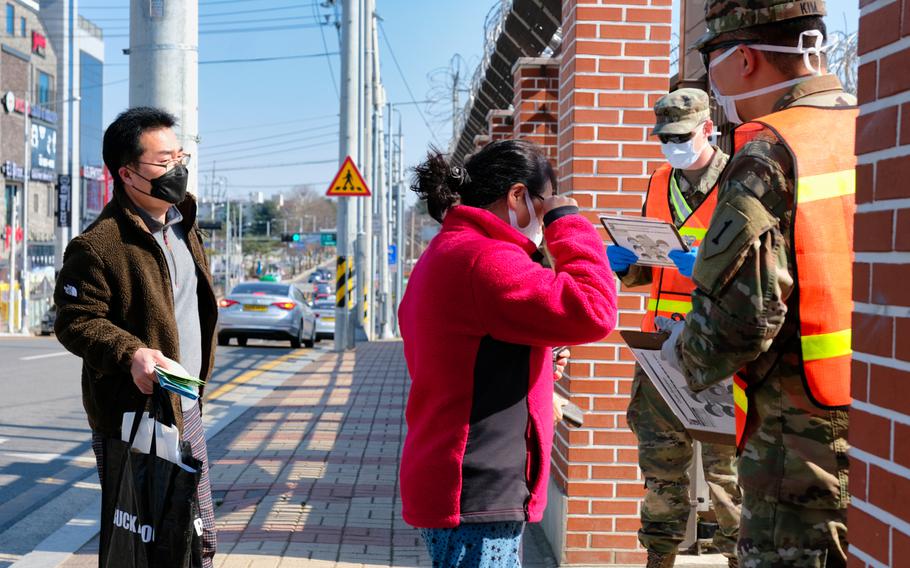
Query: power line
[(265, 59), (268, 166), (325, 48), (125, 27), (385, 36), (263, 125), (271, 137), (238, 30), (333, 141), (322, 137)]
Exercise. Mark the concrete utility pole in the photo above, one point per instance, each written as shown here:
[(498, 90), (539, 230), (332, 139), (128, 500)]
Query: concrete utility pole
[(399, 238), (365, 240), (348, 146), (164, 67)]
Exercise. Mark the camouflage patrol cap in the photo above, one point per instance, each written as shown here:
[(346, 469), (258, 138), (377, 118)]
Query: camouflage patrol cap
[(723, 16), (681, 111)]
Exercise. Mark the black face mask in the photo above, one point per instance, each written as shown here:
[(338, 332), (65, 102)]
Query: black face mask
[(170, 187)]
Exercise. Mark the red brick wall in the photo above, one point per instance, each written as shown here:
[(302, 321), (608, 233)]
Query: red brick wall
[(499, 124), (614, 66), (537, 102), (879, 517)]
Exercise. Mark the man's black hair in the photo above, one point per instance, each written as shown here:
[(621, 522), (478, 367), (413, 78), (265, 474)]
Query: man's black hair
[(121, 139)]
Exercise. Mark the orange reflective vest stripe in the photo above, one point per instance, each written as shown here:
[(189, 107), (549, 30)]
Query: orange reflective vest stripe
[(671, 292), (822, 240)]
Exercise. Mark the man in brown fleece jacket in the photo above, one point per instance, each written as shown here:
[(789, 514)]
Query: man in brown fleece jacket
[(135, 289)]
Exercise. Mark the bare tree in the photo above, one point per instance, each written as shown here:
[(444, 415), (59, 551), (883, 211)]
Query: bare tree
[(842, 58), (306, 207)]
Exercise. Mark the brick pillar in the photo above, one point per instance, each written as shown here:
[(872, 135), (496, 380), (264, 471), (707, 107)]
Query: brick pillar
[(614, 66), (879, 517), (536, 102), (499, 124)]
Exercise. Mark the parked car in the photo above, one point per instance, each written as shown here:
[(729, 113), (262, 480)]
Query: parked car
[(48, 319), (266, 310), (325, 319)]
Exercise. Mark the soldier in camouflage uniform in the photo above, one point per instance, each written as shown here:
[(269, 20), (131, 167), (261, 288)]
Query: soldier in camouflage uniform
[(746, 308), (664, 447)]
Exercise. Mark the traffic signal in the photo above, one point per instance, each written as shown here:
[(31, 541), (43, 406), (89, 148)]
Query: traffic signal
[(290, 237)]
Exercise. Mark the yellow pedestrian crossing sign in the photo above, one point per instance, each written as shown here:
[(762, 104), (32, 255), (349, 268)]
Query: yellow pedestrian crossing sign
[(348, 182)]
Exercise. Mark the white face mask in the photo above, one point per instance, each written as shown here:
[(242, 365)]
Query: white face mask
[(728, 102), (533, 230), (683, 155)]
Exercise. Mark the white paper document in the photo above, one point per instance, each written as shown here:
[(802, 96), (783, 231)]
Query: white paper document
[(651, 239), (708, 415)]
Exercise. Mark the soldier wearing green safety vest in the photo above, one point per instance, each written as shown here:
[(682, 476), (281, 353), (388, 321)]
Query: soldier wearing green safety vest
[(683, 192)]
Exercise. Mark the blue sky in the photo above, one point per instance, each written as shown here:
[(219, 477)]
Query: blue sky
[(256, 114)]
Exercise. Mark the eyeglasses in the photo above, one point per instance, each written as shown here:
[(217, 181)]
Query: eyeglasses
[(183, 160), (707, 50)]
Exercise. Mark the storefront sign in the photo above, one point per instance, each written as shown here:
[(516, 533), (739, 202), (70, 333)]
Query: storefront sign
[(39, 44), (64, 196), (13, 171), (11, 103), (41, 174), (44, 148), (92, 172)]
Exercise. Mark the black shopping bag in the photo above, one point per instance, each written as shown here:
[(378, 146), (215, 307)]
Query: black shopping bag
[(149, 512)]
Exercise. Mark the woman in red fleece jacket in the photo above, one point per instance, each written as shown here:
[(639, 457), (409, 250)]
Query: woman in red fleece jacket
[(479, 319)]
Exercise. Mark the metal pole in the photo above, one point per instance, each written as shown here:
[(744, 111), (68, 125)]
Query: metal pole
[(345, 220), (11, 299), (227, 246), (399, 281), (164, 66), (23, 286)]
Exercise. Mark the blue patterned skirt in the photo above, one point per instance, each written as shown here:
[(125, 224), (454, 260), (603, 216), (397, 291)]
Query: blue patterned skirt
[(475, 545)]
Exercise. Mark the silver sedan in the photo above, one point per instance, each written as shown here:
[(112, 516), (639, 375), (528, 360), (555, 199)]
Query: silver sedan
[(266, 310)]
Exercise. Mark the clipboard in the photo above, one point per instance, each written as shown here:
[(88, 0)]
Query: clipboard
[(709, 415), (651, 239)]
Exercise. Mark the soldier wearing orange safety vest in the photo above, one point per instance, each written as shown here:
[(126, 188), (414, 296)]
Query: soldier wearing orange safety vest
[(683, 192), (774, 277)]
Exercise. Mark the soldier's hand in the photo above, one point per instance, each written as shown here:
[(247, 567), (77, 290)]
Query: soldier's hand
[(557, 201), (142, 368)]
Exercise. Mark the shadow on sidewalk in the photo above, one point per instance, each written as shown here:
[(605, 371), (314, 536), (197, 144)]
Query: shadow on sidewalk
[(309, 476)]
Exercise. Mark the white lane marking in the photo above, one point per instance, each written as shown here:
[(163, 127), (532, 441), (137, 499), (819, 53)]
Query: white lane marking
[(4, 440), (47, 458), (45, 356)]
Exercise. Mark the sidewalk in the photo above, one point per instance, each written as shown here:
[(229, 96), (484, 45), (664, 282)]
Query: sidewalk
[(308, 477)]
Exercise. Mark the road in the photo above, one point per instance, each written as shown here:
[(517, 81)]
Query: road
[(45, 450)]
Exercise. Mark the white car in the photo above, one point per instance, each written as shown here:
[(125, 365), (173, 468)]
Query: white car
[(266, 310), (325, 319)]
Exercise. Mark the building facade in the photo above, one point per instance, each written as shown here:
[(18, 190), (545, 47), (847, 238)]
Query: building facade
[(29, 136), (79, 44)]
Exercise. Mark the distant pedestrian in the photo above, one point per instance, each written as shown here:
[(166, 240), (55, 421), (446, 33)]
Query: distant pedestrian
[(479, 320), (135, 288)]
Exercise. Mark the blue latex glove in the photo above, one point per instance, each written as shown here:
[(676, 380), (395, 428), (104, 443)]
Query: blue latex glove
[(620, 258), (684, 261)]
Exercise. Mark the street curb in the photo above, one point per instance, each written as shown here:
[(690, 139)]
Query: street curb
[(60, 545)]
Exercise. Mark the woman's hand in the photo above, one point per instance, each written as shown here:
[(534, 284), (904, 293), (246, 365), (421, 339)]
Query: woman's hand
[(557, 201), (561, 359), (558, 403)]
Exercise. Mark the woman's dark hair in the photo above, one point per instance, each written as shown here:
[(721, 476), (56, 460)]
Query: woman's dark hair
[(121, 139), (485, 177)]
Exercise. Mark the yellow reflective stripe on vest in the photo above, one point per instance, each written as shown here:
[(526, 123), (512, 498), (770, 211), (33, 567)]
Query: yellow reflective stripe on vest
[(672, 306), (683, 211), (699, 234), (826, 186), (739, 397), (827, 345)]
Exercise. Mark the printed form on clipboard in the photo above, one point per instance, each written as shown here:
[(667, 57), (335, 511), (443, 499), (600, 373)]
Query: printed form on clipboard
[(651, 239), (708, 415)]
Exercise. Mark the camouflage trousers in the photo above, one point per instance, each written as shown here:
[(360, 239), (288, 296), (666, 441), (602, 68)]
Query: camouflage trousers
[(665, 455), (778, 534)]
